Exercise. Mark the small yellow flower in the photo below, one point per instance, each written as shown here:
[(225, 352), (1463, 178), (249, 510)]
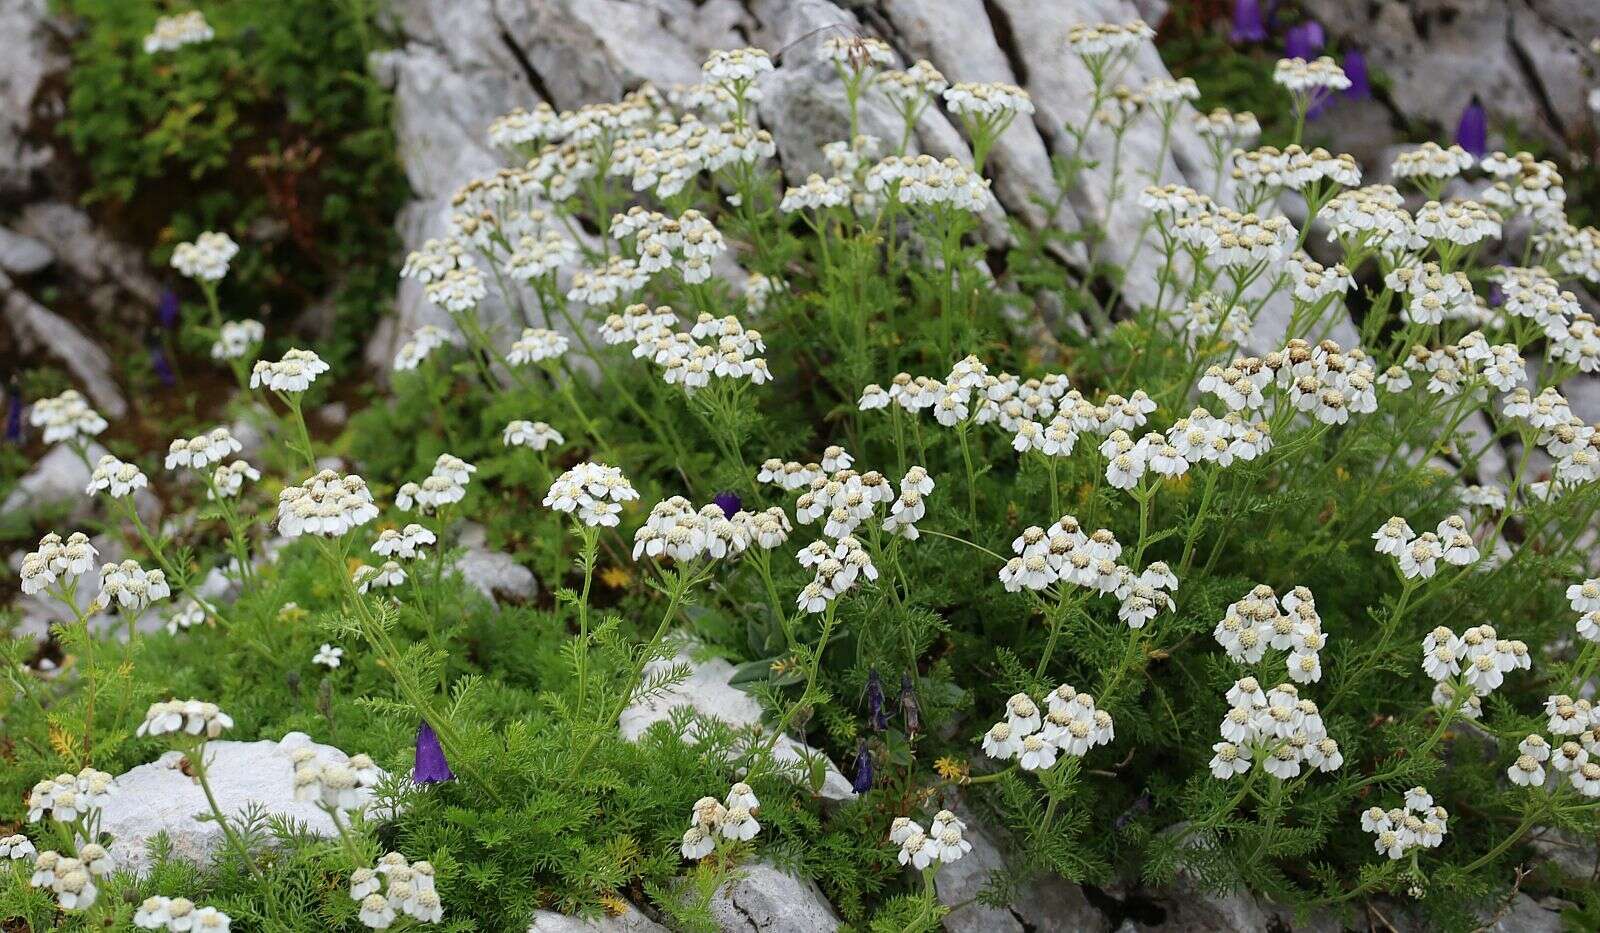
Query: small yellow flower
[(952, 769), (616, 577)]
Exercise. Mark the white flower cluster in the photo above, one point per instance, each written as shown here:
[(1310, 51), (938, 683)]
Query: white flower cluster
[(1585, 600), (1432, 161), (734, 818), (844, 499), (1276, 728), (1071, 727), (1063, 554), (69, 797), (202, 450), (446, 485), (536, 345), (389, 574), (294, 373), (1228, 129), (1570, 758), (116, 478), (1418, 824), (1430, 296), (534, 434), (129, 587), (922, 180), (1417, 556), (174, 32), (404, 543), (66, 417), (1524, 185), (1231, 240), (1479, 657), (54, 559), (326, 504), (987, 100), (1294, 168), (910, 90), (1255, 623), (674, 529), (207, 258), (179, 915), (837, 566), (593, 491), (1100, 40), (424, 340), (943, 842), (16, 848), (396, 889), (236, 339), (71, 879), (188, 717), (1536, 295), (1301, 76), (228, 480), (684, 360), (687, 244), (332, 784)]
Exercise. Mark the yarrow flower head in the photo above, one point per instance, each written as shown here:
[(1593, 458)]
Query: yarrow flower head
[(128, 587), (733, 818), (184, 717), (236, 339), (446, 485), (294, 373), (338, 785), (206, 259), (66, 417), (424, 340), (68, 797), (395, 888), (593, 491), (116, 478), (326, 504), (1071, 725), (179, 915), (1418, 824), (174, 32)]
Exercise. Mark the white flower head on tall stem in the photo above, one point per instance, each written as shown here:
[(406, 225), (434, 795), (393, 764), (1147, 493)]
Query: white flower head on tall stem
[(66, 417), (207, 258), (326, 504), (116, 478), (294, 373), (593, 491)]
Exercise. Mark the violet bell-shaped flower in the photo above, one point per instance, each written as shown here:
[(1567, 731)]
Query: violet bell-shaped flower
[(1249, 24), (431, 766), (1472, 132)]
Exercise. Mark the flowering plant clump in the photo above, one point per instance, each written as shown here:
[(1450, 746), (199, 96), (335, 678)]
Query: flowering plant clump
[(1169, 582)]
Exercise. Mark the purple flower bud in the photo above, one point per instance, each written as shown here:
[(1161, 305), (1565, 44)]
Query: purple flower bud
[(1248, 23), (875, 716), (1304, 41), (1355, 68), (161, 365), (1472, 133), (863, 779), (908, 706), (431, 766), (167, 309), (13, 414), (728, 502)]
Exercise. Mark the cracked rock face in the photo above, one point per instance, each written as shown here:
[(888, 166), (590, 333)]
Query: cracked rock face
[(631, 921), (708, 693), (765, 899), (1043, 905), (159, 798), (1526, 60)]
